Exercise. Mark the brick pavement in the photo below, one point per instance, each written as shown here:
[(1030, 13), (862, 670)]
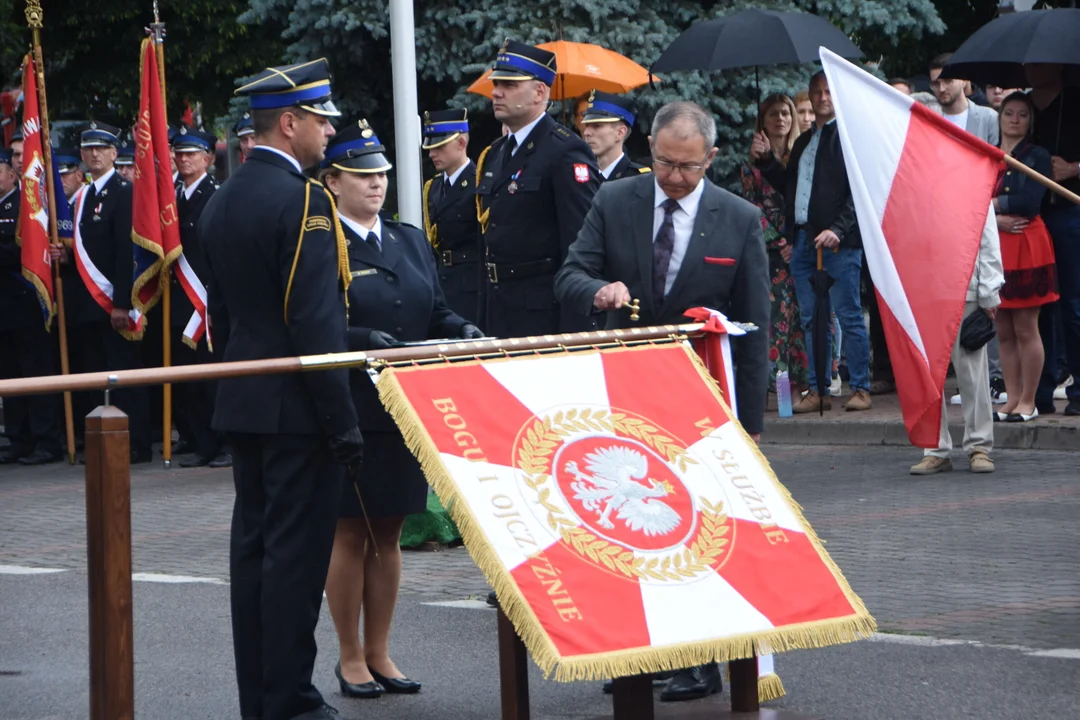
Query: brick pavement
[(987, 558)]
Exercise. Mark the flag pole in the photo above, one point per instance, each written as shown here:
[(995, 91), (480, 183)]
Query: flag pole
[(34, 18), (157, 32), (1041, 179)]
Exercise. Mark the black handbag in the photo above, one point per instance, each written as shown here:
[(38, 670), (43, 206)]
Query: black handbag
[(976, 330)]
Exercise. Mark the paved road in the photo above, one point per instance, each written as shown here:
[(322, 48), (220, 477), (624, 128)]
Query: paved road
[(989, 559)]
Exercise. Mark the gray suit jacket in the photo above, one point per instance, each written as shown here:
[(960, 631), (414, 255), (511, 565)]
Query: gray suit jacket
[(725, 268), (982, 122)]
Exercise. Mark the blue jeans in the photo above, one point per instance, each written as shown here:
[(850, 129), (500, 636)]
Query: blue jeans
[(844, 267), (1064, 226)]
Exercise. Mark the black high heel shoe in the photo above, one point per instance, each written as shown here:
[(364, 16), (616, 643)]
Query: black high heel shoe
[(366, 690), (396, 686)]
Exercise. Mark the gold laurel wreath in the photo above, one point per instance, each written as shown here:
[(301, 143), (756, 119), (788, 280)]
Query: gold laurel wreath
[(534, 458)]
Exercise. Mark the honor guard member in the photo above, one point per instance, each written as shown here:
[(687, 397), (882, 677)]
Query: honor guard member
[(245, 135), (16, 147), (608, 121), (71, 174), (27, 349), (193, 403), (450, 209), (125, 162), (99, 339), (534, 187), (278, 270)]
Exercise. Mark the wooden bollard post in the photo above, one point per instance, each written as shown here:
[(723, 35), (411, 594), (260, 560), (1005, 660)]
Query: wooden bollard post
[(744, 685), (513, 672), (108, 551), (632, 698)]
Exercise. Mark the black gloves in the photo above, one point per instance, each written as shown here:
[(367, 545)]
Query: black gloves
[(365, 339), (348, 449), (470, 332)]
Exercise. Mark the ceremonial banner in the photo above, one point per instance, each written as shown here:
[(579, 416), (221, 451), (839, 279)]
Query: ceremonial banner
[(922, 189), (626, 521), (33, 227)]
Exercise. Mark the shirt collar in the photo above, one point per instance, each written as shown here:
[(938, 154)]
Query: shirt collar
[(189, 190), (9, 193), (606, 172), (99, 184), (361, 230), (688, 204), (287, 156), (457, 173), (522, 134)]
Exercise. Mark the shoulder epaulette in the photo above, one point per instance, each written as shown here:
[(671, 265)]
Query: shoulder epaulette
[(643, 170), (562, 132)]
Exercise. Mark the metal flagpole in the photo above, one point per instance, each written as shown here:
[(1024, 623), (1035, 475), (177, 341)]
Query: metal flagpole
[(157, 32), (34, 18), (406, 114)]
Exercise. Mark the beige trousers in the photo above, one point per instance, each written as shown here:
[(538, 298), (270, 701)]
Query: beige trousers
[(973, 377)]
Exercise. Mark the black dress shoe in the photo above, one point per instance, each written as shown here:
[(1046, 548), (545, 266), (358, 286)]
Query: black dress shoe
[(11, 455), (143, 455), (396, 686), (195, 461), (366, 690), (660, 677), (221, 461), (693, 683), (183, 448), (492, 600), (1073, 408), (326, 712), (40, 457)]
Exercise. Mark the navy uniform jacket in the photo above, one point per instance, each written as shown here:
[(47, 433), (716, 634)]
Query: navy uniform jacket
[(626, 168), (531, 207), (396, 291), (273, 280), (189, 212), (450, 218), (19, 307), (105, 226)]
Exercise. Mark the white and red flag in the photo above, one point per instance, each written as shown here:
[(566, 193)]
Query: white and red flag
[(33, 227), (625, 519), (922, 189)]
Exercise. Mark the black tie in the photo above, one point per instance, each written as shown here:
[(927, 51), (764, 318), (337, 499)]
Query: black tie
[(511, 144), (662, 247), (373, 241)]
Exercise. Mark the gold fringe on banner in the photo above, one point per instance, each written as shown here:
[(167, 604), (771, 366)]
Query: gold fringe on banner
[(598, 666), (769, 687)]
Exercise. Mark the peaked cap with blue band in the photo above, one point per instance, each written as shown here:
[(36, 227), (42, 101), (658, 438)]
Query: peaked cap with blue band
[(67, 160), (605, 107), (304, 85), (100, 135), (356, 149), (442, 126), (244, 126), (518, 61), (6, 155), (125, 155), (194, 141)]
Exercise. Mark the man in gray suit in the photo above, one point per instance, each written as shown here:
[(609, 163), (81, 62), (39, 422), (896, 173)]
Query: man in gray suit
[(674, 240)]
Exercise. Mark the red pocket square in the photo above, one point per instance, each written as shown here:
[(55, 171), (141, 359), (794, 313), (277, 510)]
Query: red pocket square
[(720, 261)]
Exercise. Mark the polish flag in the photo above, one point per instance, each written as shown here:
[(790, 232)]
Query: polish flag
[(922, 189)]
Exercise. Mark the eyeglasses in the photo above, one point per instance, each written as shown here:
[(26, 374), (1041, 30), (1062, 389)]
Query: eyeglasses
[(671, 167)]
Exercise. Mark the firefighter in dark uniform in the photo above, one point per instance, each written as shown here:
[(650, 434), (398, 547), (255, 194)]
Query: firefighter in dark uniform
[(394, 296), (450, 209), (245, 135), (277, 271), (125, 162), (193, 405), (27, 348), (101, 340), (608, 122), (534, 187)]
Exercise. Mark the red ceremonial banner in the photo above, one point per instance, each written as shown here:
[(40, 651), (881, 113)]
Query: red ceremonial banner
[(33, 227), (625, 519), (154, 225)]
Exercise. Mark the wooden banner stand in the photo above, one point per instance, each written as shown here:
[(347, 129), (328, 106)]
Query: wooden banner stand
[(108, 564)]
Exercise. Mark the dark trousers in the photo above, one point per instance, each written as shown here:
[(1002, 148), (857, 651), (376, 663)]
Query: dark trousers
[(287, 493), (31, 422), (880, 364), (96, 347), (1064, 227), (193, 405)]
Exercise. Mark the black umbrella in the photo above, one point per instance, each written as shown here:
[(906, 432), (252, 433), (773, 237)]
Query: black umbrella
[(751, 38), (997, 52), (820, 337)]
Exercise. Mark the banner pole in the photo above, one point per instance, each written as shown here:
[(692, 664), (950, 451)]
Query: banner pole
[(157, 30), (34, 18)]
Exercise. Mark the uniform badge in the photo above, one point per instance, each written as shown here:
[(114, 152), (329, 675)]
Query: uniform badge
[(581, 172), (512, 187), (317, 222), (464, 183)]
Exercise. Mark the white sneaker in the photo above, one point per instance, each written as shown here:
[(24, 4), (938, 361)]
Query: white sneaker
[(835, 388), (955, 399), (1059, 392)]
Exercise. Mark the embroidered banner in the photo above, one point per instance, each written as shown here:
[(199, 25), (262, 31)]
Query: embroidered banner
[(626, 521)]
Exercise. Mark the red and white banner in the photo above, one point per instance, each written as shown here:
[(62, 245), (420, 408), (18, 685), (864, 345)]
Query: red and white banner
[(922, 189), (625, 519)]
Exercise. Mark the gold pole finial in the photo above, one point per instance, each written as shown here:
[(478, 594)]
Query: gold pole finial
[(34, 14)]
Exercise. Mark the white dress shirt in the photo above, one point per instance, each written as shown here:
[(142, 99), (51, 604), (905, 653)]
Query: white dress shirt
[(452, 179), (606, 172), (189, 190), (287, 156), (523, 133), (363, 231), (683, 220)]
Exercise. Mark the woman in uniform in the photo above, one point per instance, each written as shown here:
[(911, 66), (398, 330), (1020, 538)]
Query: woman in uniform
[(394, 297)]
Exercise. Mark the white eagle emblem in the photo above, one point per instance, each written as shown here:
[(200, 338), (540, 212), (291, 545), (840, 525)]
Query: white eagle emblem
[(613, 487)]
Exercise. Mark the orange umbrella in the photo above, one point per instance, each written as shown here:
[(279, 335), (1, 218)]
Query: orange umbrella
[(583, 67)]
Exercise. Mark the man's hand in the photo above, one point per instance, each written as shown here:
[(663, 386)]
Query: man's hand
[(56, 252), (611, 297), (1063, 169), (119, 319), (760, 147), (826, 239), (785, 252), (348, 449), (470, 332), (991, 312), (1012, 223)]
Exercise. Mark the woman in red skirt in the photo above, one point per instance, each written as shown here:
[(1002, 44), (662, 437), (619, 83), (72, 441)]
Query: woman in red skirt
[(1028, 256)]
